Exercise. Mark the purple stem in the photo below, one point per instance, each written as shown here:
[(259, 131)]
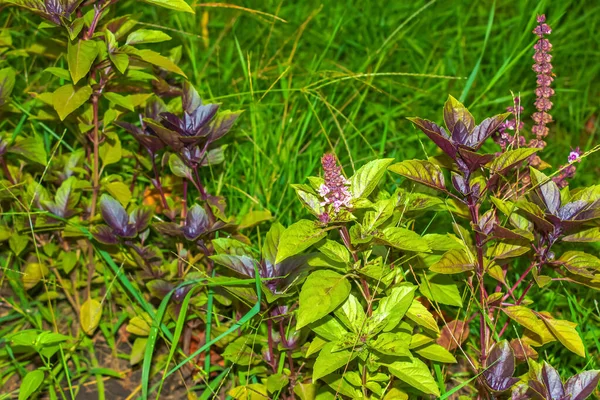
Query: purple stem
[(271, 360), (157, 182)]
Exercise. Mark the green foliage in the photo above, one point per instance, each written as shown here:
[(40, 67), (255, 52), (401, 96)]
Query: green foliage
[(136, 233)]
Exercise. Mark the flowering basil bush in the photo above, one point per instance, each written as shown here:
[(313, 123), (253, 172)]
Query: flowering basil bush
[(408, 279)]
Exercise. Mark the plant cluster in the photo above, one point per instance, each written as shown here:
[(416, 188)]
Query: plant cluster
[(114, 233)]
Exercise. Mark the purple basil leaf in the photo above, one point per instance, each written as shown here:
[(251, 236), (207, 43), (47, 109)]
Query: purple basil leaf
[(243, 265), (437, 134), (222, 123), (181, 292), (487, 222), (168, 228), (485, 129), (190, 99), (455, 112), (154, 107), (104, 234), (148, 258), (53, 208), (196, 222), (460, 133), (581, 386), (66, 198), (520, 393), (199, 118), (500, 367), (538, 389), (173, 122), (168, 136), (501, 232), (551, 379), (591, 212), (113, 213), (147, 139), (459, 183), (546, 191), (570, 210), (473, 160), (214, 157), (159, 288), (140, 217), (131, 128)]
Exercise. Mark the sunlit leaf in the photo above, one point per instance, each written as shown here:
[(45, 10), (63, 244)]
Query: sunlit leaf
[(89, 315), (322, 292), (69, 98), (81, 56), (423, 172)]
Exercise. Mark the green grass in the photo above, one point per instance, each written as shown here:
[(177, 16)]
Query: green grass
[(343, 76)]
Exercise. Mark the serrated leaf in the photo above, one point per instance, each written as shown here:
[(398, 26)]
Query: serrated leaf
[(80, 57), (416, 374), (420, 171), (69, 98), (147, 36), (322, 292), (89, 315), (297, 238), (453, 261), (365, 180)]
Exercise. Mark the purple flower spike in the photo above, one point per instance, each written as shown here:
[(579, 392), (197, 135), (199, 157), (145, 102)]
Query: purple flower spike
[(543, 69), (335, 189)]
